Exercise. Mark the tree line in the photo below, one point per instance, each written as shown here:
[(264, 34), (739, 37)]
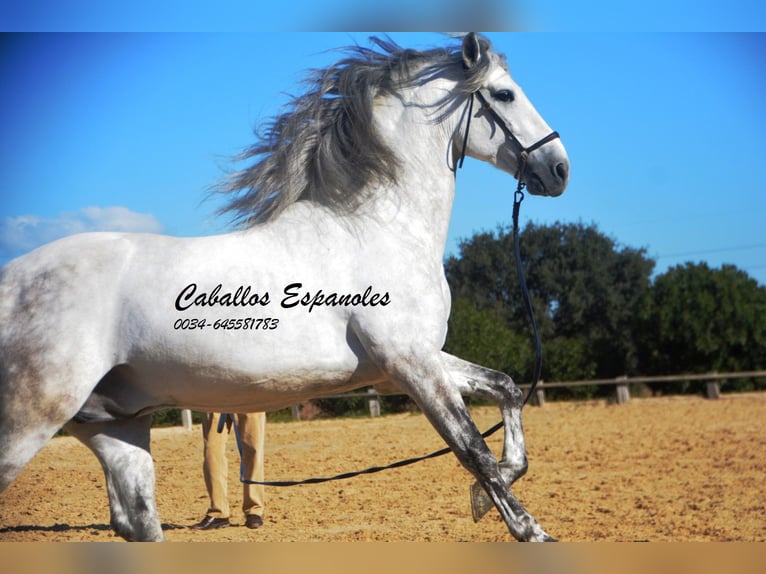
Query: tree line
[(599, 311)]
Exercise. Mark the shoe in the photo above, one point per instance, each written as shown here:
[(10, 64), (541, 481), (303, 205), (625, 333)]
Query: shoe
[(253, 521), (209, 523)]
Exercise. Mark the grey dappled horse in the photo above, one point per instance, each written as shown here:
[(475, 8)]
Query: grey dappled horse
[(334, 281)]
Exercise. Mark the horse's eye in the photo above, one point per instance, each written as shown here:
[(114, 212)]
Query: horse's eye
[(504, 95)]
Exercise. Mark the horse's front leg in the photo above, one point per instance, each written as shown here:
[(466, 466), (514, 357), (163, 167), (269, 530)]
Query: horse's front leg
[(429, 381), (122, 448), (481, 382)]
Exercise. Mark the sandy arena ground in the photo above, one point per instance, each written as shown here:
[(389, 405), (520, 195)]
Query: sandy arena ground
[(656, 469)]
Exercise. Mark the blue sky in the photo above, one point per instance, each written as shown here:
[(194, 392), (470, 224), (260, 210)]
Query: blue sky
[(404, 15), (665, 132)]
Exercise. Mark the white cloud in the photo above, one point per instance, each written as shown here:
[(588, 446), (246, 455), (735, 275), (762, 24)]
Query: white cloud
[(23, 233)]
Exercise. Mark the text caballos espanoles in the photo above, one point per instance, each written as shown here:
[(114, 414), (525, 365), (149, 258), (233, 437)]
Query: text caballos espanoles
[(293, 295)]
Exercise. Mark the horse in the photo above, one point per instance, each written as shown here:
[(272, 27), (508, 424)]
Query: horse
[(332, 279)]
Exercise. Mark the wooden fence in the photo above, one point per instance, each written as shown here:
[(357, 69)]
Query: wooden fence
[(621, 385), (622, 388)]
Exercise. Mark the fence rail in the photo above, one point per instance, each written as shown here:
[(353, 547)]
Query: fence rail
[(621, 384), (712, 380)]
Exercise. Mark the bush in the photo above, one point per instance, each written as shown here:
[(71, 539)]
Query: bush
[(172, 417)]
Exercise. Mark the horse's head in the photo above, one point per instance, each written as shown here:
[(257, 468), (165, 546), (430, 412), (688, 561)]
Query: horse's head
[(505, 129)]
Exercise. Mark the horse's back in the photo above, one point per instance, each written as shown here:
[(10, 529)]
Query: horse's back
[(45, 286)]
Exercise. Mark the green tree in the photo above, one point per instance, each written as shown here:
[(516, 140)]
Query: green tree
[(700, 320), (482, 337), (586, 289)]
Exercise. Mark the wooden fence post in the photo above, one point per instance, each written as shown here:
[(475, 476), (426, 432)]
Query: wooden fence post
[(295, 411), (623, 393), (539, 399), (373, 402), (186, 419), (713, 390)]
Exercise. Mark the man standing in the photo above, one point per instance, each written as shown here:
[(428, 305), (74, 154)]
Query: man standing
[(252, 428)]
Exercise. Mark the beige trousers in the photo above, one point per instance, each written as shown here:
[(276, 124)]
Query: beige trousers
[(252, 430)]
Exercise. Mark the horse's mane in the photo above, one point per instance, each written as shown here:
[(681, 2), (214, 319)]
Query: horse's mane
[(324, 147)]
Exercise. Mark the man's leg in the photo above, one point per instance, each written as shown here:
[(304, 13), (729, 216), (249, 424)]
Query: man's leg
[(252, 430)]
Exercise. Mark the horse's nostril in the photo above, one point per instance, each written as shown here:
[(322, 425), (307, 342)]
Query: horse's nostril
[(562, 171)]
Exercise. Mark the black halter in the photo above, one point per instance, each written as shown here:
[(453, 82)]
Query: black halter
[(523, 152)]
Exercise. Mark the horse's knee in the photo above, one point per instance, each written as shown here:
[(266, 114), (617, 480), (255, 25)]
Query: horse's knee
[(514, 469), (504, 388), (515, 394), (506, 385)]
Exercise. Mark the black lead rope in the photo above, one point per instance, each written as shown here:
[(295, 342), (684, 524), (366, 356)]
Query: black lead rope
[(517, 199), (346, 475)]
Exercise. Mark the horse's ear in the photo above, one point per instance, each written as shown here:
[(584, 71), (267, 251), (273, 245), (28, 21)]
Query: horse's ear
[(471, 50)]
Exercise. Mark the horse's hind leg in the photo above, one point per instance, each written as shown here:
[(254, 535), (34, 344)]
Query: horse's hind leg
[(18, 444), (122, 448), (30, 415), (438, 395)]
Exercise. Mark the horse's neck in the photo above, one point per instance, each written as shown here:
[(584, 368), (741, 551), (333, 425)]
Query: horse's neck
[(419, 205), (426, 196)]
